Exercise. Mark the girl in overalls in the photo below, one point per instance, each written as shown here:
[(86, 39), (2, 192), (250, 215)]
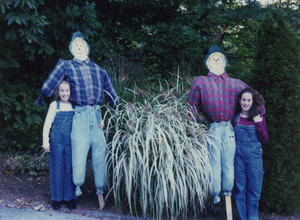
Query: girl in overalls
[(58, 123), (250, 133)]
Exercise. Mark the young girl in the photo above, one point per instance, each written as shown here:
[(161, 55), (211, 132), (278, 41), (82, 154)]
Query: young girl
[(250, 133), (59, 121)]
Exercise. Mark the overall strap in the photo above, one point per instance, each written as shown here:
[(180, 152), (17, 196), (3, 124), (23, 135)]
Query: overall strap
[(57, 104), (238, 118)]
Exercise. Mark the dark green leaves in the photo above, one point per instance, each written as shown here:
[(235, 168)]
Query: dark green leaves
[(276, 76)]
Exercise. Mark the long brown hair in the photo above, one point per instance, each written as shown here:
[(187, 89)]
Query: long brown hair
[(258, 102)]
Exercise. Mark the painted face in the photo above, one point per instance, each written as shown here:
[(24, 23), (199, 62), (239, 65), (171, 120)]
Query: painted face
[(216, 60), (79, 49), (64, 92), (216, 63), (246, 101)]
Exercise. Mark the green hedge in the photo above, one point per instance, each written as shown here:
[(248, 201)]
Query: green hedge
[(276, 76)]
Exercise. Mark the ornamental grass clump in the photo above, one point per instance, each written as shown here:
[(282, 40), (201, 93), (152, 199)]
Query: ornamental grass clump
[(158, 160)]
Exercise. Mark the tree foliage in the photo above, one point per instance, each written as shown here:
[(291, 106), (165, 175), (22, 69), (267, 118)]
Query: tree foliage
[(276, 76)]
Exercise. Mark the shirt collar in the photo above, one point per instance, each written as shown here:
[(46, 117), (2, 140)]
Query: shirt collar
[(215, 77), (81, 61)]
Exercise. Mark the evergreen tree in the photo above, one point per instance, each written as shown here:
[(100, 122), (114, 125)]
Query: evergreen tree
[(276, 76)]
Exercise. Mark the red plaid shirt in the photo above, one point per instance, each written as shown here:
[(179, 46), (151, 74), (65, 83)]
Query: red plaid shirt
[(215, 96)]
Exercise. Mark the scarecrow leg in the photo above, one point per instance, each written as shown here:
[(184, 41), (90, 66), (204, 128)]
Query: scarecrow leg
[(228, 207)]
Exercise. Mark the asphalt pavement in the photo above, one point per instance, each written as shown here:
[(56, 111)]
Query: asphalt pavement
[(8, 212)]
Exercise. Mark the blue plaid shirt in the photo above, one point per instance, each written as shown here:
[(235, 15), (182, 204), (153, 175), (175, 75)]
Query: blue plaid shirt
[(90, 83)]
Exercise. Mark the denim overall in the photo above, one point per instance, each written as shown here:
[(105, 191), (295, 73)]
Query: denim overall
[(248, 170), (61, 180)]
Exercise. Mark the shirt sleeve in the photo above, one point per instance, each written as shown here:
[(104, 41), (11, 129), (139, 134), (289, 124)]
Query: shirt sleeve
[(242, 85), (54, 78), (48, 123), (110, 91), (262, 132), (194, 98)]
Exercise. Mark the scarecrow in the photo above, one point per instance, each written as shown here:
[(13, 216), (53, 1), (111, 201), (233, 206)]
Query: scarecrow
[(215, 95), (90, 85)]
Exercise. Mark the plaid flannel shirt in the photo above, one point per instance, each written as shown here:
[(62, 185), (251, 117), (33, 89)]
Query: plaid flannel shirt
[(215, 96), (90, 83)]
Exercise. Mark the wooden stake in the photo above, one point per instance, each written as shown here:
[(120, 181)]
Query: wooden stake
[(101, 201), (228, 207)]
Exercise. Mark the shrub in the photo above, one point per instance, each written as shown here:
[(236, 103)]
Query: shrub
[(21, 119), (276, 76), (21, 164)]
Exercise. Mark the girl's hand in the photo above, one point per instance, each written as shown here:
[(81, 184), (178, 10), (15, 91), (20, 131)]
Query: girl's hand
[(257, 118), (101, 125), (46, 149)]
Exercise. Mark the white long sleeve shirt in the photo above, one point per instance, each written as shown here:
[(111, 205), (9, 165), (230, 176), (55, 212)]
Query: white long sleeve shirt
[(52, 111)]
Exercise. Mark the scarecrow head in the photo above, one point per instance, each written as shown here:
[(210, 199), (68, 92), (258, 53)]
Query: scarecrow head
[(216, 61), (78, 47)]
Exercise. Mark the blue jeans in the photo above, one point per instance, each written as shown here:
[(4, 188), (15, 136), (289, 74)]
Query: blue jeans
[(61, 181), (85, 135), (248, 172), (222, 158)]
